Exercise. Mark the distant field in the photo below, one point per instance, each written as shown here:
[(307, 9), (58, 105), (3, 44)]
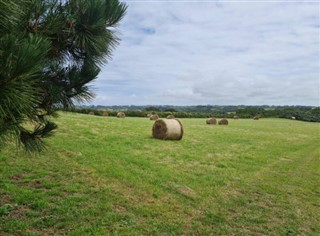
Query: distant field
[(108, 176)]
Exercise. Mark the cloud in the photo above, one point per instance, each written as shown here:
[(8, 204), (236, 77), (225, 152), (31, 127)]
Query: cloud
[(187, 53)]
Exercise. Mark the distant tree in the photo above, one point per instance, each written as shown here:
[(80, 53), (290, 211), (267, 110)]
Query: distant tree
[(170, 110), (152, 109), (49, 51)]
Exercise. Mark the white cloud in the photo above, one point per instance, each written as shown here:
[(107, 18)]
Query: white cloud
[(207, 53)]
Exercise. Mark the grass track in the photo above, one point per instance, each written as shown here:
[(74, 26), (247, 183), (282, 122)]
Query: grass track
[(103, 175)]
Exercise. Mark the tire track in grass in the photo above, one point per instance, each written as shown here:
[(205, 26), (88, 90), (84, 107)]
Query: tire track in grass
[(279, 198)]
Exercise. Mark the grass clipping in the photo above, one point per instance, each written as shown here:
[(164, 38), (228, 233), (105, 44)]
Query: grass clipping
[(167, 129)]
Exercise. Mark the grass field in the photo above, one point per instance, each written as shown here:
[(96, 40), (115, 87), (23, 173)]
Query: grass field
[(107, 176)]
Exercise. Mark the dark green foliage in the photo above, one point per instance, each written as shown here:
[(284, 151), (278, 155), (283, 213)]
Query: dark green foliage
[(303, 113), (50, 50), (312, 115), (170, 110), (152, 109)]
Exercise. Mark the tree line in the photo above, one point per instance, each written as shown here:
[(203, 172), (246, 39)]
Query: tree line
[(303, 113)]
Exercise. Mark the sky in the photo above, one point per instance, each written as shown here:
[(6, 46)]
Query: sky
[(214, 52)]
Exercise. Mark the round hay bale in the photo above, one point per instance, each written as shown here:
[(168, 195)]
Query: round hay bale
[(105, 113), (91, 113), (236, 117), (256, 117), (154, 117), (211, 121), (167, 129), (170, 117), (121, 115), (223, 121)]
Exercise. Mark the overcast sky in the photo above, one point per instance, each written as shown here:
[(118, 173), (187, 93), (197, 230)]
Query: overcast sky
[(219, 53)]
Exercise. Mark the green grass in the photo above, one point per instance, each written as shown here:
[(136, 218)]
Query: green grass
[(107, 176)]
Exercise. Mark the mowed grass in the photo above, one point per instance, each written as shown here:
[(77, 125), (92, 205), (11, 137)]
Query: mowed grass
[(108, 176)]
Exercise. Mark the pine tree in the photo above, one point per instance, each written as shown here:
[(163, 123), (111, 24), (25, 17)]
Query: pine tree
[(50, 50)]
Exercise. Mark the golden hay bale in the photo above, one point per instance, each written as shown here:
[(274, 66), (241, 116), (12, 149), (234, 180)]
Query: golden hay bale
[(167, 129), (105, 113), (211, 121), (170, 117), (121, 115), (256, 117), (223, 121), (91, 113), (236, 117), (154, 117)]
